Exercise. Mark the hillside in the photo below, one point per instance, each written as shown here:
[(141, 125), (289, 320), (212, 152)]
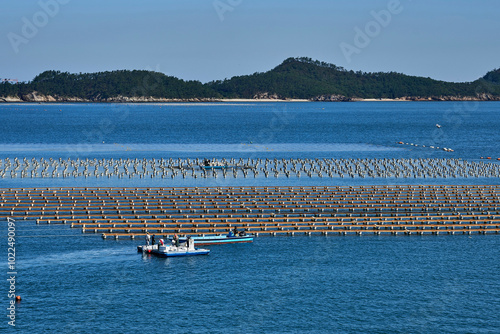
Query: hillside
[(295, 78), (116, 86), (303, 78)]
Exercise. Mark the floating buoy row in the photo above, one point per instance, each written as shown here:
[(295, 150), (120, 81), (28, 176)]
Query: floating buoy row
[(446, 149), (196, 168)]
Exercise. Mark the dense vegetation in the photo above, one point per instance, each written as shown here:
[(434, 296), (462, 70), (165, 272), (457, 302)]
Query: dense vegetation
[(304, 78), (102, 85), (301, 78)]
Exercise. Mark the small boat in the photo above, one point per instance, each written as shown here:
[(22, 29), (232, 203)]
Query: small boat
[(163, 250), (208, 164), (220, 239), (214, 167), (438, 126)]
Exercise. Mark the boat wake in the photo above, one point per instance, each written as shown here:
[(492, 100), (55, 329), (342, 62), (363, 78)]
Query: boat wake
[(77, 257)]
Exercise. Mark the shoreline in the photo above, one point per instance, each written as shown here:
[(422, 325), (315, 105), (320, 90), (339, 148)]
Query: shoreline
[(263, 100), (51, 100)]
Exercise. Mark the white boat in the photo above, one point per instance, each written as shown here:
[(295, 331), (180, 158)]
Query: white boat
[(438, 126), (230, 238), (164, 250)]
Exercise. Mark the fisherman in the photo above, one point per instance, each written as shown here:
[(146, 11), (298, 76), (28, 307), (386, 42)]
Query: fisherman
[(176, 240), (235, 231), (153, 240), (148, 238)]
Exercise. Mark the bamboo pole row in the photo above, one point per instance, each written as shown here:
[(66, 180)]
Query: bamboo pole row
[(131, 212)]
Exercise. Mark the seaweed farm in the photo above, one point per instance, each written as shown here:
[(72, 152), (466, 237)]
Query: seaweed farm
[(131, 212), (246, 168)]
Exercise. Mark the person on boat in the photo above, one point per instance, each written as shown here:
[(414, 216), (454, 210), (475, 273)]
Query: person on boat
[(176, 240), (206, 162), (148, 238), (230, 234), (153, 240), (243, 233), (235, 231)]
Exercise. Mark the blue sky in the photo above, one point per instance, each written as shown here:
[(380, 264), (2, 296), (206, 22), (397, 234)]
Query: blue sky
[(453, 40)]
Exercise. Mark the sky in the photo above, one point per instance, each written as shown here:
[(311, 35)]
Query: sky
[(450, 40)]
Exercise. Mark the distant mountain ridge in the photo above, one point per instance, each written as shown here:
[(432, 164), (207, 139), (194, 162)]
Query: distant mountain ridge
[(295, 78)]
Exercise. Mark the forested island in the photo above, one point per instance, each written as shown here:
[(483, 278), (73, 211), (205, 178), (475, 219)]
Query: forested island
[(295, 78)]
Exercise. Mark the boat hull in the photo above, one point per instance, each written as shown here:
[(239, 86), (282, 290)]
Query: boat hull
[(214, 167), (218, 240), (172, 251), (146, 248), (176, 254)]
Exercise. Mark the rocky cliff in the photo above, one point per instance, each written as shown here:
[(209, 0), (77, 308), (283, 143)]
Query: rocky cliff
[(479, 97), (36, 97), (331, 98)]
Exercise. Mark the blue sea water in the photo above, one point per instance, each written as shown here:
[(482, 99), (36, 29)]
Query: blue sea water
[(247, 130), (78, 283)]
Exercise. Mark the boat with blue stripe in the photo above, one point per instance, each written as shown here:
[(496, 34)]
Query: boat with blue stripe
[(230, 238), (171, 251)]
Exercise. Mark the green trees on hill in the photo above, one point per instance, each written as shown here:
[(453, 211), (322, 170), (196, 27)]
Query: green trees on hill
[(493, 77), (300, 78), (103, 85), (304, 78)]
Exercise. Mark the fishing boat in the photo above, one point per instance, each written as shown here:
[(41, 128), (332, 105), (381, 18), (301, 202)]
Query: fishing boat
[(220, 239), (209, 164), (174, 249)]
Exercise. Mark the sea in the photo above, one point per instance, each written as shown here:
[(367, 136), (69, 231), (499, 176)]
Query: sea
[(80, 283)]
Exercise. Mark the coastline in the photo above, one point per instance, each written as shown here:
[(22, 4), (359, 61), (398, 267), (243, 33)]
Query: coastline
[(263, 100), (38, 98)]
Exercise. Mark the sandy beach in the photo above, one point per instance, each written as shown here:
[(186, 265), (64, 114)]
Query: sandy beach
[(264, 100)]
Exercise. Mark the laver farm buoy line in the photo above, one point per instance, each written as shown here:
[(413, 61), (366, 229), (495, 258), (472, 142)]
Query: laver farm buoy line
[(50, 168), (333, 210)]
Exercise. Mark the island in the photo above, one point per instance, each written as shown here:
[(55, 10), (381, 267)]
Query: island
[(302, 79)]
